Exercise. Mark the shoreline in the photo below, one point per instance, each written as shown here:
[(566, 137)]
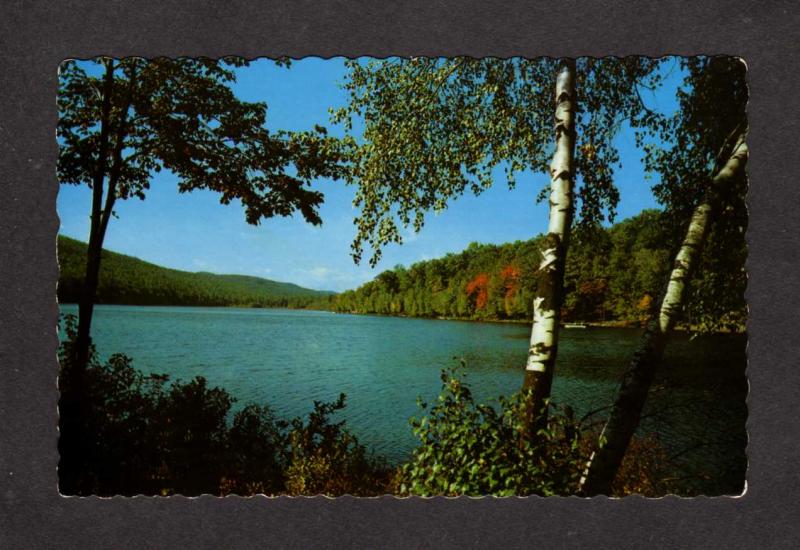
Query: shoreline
[(630, 325)]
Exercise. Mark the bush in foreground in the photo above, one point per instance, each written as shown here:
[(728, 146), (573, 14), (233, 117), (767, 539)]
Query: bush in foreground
[(468, 448)]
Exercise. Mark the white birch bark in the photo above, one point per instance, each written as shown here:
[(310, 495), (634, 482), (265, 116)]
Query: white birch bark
[(627, 410), (550, 277), (546, 305)]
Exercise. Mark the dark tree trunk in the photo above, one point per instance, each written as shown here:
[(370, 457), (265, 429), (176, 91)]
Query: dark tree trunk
[(627, 410), (75, 422), (96, 234), (101, 216)]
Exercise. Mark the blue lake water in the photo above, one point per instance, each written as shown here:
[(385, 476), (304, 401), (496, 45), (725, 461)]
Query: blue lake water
[(289, 358)]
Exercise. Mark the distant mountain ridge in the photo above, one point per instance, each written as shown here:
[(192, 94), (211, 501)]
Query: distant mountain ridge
[(128, 280)]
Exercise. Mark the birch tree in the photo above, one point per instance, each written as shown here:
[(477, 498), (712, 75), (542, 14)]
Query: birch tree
[(550, 285), (711, 120), (437, 128)]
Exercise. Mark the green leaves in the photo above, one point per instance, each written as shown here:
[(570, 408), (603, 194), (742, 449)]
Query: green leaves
[(467, 448), (434, 128), (181, 115), (437, 128), (695, 142)]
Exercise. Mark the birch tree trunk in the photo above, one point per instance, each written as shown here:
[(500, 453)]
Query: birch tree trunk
[(627, 410), (550, 279)]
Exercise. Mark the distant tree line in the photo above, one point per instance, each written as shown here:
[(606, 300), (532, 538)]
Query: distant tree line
[(612, 275), (127, 280)]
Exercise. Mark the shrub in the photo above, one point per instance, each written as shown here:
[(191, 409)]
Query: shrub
[(468, 448), (256, 443), (325, 458)]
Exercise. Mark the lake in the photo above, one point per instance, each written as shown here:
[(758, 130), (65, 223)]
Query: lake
[(289, 358)]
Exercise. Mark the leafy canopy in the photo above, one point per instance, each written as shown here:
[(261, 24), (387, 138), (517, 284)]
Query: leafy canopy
[(435, 128), (181, 115), (693, 144)]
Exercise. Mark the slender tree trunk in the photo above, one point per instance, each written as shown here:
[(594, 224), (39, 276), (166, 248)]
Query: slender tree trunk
[(101, 216), (550, 278), (89, 291), (627, 410)]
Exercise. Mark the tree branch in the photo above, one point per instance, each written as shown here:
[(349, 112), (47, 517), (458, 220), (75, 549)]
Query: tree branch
[(102, 153), (116, 168)]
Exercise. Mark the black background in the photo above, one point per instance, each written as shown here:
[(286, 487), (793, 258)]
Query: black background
[(36, 36)]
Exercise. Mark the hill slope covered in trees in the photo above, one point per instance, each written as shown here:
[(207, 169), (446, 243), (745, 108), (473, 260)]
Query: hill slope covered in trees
[(128, 280), (614, 276)]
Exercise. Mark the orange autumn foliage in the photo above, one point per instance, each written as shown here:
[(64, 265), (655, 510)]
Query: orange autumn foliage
[(479, 286), (510, 275)]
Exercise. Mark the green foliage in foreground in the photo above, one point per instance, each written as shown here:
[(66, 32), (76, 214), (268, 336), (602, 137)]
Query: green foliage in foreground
[(128, 280), (467, 448), (471, 448)]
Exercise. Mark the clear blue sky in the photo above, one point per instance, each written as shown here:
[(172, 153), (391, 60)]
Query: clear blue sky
[(194, 232)]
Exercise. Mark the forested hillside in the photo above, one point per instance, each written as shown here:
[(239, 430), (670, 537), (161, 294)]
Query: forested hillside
[(616, 275), (128, 280), (613, 276)]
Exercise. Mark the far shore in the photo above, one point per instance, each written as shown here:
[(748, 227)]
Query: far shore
[(587, 324), (603, 324)]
